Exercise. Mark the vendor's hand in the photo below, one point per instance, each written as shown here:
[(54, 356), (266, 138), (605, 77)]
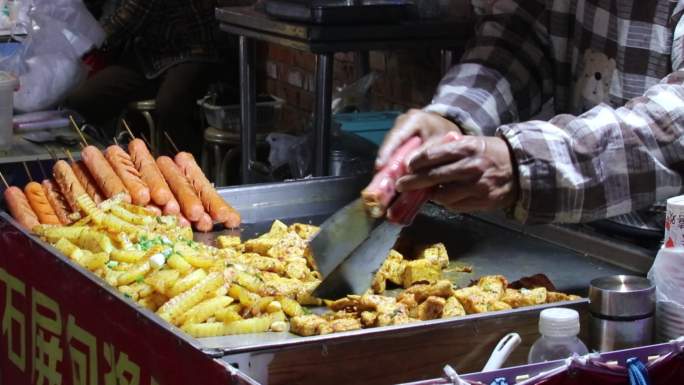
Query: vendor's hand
[(474, 173), (430, 126)]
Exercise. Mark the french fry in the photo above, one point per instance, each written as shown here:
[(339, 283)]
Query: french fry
[(182, 302), (54, 233), (95, 241), (163, 280), (227, 241), (130, 217), (93, 261), (138, 210), (204, 310), (250, 282), (179, 263), (128, 256), (193, 256), (88, 206), (246, 298), (291, 307), (137, 272), (187, 282), (214, 329), (228, 314)]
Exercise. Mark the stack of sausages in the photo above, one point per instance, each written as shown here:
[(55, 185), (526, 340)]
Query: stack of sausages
[(167, 186)]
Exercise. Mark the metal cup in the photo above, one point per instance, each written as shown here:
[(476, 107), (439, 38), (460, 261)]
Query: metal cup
[(622, 312)]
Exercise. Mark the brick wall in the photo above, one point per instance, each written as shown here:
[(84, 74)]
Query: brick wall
[(407, 78)]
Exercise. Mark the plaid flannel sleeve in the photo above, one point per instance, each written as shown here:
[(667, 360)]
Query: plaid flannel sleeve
[(127, 20), (504, 74), (603, 163)]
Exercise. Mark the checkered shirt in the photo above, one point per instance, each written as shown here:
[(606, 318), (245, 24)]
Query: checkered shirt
[(609, 68)]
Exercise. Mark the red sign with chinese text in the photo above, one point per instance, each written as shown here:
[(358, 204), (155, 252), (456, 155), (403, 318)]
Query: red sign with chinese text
[(58, 326)]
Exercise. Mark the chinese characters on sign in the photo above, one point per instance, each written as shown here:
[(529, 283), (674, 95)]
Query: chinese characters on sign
[(57, 342)]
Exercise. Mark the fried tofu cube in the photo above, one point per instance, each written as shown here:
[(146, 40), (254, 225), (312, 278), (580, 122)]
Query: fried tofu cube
[(453, 308), (420, 271), (369, 318), (288, 246), (513, 298), (379, 283), (309, 325), (345, 324), (536, 296), (306, 232), (228, 241), (431, 308), (435, 254), (393, 267), (442, 288), (554, 296), (473, 299), (494, 284), (260, 245), (278, 229), (498, 305), (349, 303)]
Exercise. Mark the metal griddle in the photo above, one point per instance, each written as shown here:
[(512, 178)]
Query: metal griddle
[(491, 244), (489, 248)]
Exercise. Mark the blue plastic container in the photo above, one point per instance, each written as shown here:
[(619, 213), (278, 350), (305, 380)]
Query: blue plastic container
[(370, 125)]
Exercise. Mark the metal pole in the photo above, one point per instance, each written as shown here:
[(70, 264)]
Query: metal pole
[(322, 113), (247, 108)]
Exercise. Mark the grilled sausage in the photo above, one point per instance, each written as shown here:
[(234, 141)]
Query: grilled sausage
[(57, 201), (171, 207), (87, 181), (205, 224), (19, 207), (123, 166), (216, 206), (191, 205), (155, 209), (182, 220), (110, 183), (149, 173), (40, 204), (68, 184), (381, 190)]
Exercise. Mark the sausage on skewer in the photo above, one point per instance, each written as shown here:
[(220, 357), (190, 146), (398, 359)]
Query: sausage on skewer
[(68, 184), (123, 166), (40, 204), (110, 183), (20, 209), (87, 181), (171, 207), (216, 206), (57, 201), (149, 173), (191, 205), (205, 224)]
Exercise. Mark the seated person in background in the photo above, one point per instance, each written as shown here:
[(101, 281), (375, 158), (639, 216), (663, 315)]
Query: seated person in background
[(614, 71), (167, 50)]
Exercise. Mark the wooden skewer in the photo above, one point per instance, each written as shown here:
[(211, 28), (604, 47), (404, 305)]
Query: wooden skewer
[(73, 122), (27, 171), (4, 181), (147, 142), (171, 141), (68, 153), (51, 153), (116, 142), (42, 169), (128, 128)]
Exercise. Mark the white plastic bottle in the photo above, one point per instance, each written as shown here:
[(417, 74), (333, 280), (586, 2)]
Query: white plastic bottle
[(559, 328)]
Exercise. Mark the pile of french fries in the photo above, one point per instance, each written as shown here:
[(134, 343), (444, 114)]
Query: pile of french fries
[(236, 288)]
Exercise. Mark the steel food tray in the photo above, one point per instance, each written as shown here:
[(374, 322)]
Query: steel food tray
[(489, 245)]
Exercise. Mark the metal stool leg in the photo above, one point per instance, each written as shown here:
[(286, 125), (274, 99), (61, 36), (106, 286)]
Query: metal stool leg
[(322, 113)]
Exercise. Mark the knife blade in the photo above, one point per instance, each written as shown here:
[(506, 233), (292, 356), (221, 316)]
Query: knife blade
[(356, 273), (339, 235)]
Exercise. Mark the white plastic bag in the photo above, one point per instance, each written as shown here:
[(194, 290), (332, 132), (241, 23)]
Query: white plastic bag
[(49, 63), (667, 274)]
